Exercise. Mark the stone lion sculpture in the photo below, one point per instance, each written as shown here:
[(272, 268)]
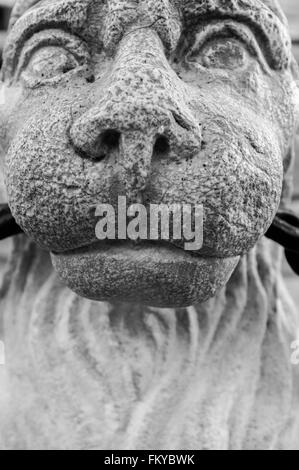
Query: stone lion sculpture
[(144, 345)]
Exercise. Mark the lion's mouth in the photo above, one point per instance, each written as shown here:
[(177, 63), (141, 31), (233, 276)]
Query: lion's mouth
[(136, 247)]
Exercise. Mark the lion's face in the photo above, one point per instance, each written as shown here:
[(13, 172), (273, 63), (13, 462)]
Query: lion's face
[(158, 101)]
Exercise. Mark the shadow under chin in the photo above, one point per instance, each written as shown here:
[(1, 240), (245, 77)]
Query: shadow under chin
[(154, 276)]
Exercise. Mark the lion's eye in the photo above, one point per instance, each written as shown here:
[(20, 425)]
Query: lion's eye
[(47, 56), (226, 45), (50, 62), (228, 53), (225, 53)]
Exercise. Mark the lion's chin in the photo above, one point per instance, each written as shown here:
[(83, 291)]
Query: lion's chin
[(155, 275)]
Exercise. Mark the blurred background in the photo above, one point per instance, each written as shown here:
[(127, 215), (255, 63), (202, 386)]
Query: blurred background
[(5, 7), (291, 8)]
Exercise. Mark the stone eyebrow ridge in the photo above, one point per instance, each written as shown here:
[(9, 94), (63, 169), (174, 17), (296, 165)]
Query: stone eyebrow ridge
[(60, 14), (267, 22)]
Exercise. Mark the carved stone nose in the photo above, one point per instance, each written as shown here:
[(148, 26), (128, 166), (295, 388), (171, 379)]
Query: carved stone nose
[(141, 115), (130, 136), (108, 130)]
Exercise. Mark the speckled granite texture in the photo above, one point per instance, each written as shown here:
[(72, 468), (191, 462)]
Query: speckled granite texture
[(143, 345)]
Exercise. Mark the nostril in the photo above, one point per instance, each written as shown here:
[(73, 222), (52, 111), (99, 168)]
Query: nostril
[(107, 144), (100, 148), (91, 79), (110, 139), (162, 146)]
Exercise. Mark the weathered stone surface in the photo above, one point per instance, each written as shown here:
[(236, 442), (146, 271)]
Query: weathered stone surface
[(90, 89)]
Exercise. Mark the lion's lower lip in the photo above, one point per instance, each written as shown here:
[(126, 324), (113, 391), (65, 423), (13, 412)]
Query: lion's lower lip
[(148, 273)]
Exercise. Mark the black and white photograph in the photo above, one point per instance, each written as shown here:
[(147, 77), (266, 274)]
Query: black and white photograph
[(149, 227)]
